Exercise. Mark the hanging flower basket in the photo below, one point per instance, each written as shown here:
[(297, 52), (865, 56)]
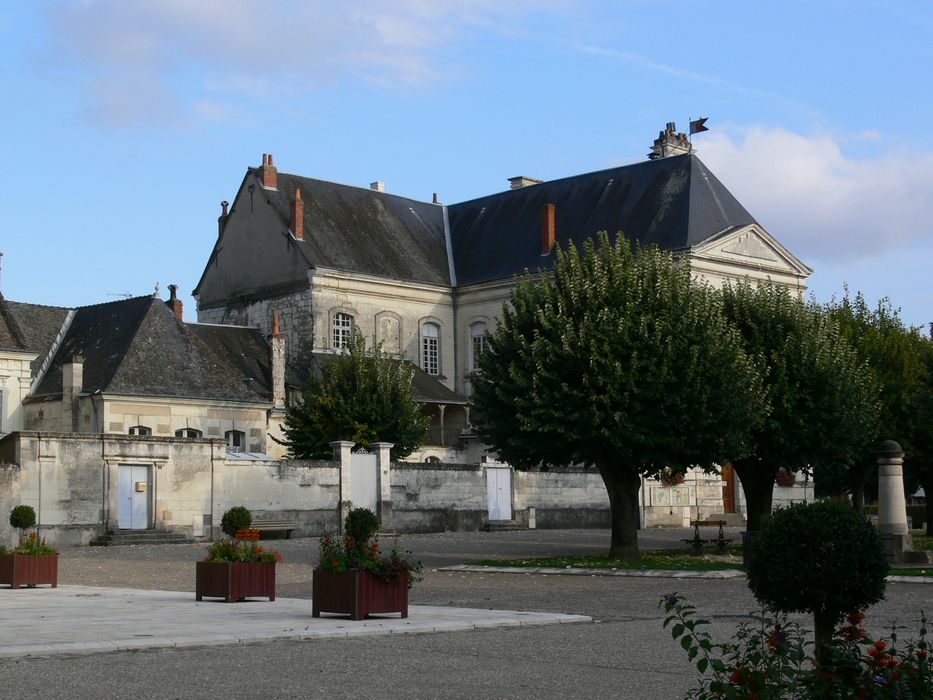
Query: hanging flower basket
[(784, 477)]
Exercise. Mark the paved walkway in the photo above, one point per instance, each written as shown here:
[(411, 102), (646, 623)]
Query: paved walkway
[(47, 621)]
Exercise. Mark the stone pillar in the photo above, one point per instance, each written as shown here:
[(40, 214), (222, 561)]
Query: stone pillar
[(892, 507), (342, 450), (384, 467)]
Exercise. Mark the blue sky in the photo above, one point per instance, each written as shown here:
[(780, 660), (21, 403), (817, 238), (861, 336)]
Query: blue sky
[(126, 123)]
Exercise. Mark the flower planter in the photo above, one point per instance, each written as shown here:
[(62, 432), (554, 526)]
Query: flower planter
[(357, 594), (29, 569), (235, 581)]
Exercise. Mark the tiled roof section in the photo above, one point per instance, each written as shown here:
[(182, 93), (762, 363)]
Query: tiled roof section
[(36, 326), (245, 352), (137, 347), (363, 230), (426, 388), (10, 338), (673, 202)]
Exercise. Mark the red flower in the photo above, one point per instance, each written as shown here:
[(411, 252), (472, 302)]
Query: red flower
[(855, 618)]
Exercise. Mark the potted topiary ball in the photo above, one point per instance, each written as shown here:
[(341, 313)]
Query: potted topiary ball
[(32, 561), (821, 558), (236, 519), (23, 518)]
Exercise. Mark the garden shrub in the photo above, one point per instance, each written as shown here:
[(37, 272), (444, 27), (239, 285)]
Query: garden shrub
[(23, 517), (235, 519), (361, 524), (822, 558)]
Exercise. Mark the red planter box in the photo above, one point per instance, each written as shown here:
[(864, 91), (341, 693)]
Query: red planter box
[(28, 569), (357, 594), (235, 581)]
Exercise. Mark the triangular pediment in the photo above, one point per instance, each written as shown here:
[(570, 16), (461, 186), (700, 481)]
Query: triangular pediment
[(751, 247)]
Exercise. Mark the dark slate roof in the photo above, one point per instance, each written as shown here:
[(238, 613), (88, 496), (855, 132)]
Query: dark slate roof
[(35, 326), (426, 388), (10, 337), (673, 202), (346, 228), (137, 347)]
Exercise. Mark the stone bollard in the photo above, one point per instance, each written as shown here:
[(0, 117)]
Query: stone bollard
[(892, 507)]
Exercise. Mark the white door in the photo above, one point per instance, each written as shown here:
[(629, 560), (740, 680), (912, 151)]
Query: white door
[(364, 475), (133, 497), (499, 493)]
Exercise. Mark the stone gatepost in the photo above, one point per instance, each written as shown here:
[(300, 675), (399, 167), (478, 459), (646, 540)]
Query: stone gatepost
[(384, 468), (892, 507), (342, 451)]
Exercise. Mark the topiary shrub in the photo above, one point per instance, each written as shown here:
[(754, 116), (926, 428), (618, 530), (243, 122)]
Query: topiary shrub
[(822, 558), (23, 517), (361, 524), (237, 518)]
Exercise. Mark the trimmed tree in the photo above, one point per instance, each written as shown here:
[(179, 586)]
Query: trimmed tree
[(893, 353), (821, 558), (821, 401), (361, 395), (619, 361)]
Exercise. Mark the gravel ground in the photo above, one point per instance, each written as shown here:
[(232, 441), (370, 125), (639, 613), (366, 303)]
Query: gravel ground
[(624, 653)]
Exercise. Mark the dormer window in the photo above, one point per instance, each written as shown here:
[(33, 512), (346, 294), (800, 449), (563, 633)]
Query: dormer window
[(188, 433), (140, 430), (236, 440)]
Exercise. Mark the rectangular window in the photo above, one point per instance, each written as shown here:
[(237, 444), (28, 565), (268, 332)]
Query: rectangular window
[(479, 347), (343, 326), (430, 355)]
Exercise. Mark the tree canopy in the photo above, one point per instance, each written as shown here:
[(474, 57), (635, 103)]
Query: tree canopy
[(617, 360), (821, 400), (361, 395)]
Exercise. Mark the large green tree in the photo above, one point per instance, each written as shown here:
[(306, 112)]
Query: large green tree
[(360, 395), (617, 360), (893, 353), (821, 400), (919, 460)]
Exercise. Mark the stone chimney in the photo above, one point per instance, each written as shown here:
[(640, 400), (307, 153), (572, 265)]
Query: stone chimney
[(72, 383), (268, 174), (670, 143), (520, 181), (298, 216), (548, 228), (378, 185), (174, 303), (222, 219), (277, 361)]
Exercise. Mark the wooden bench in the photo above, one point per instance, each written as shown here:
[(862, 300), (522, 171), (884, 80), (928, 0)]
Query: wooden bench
[(286, 526), (721, 540)]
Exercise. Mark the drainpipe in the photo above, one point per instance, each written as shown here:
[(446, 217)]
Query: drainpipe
[(211, 526)]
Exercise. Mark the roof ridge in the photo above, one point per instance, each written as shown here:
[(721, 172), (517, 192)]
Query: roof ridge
[(359, 187)]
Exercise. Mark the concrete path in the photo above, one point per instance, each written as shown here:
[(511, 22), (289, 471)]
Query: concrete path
[(47, 621)]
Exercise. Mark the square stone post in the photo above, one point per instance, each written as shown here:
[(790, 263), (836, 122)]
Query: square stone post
[(384, 468), (342, 450)]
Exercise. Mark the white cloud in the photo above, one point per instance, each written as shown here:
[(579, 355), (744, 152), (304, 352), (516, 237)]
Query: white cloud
[(132, 54), (819, 201)]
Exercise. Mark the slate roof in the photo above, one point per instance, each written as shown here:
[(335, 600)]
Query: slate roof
[(345, 228), (426, 388), (673, 202), (137, 347), (32, 326)]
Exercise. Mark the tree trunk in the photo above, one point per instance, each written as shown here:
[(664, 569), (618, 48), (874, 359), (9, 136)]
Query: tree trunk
[(824, 626), (758, 485), (622, 487)]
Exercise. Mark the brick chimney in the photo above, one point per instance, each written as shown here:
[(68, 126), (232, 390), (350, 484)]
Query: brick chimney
[(548, 228), (519, 181), (174, 303), (298, 216), (268, 173), (277, 361), (222, 219)]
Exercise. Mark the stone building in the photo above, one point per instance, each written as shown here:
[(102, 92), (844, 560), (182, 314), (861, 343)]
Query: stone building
[(429, 280)]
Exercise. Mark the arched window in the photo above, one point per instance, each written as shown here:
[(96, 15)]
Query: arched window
[(236, 440), (342, 327), (477, 343), (188, 433), (430, 348), (140, 430)]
